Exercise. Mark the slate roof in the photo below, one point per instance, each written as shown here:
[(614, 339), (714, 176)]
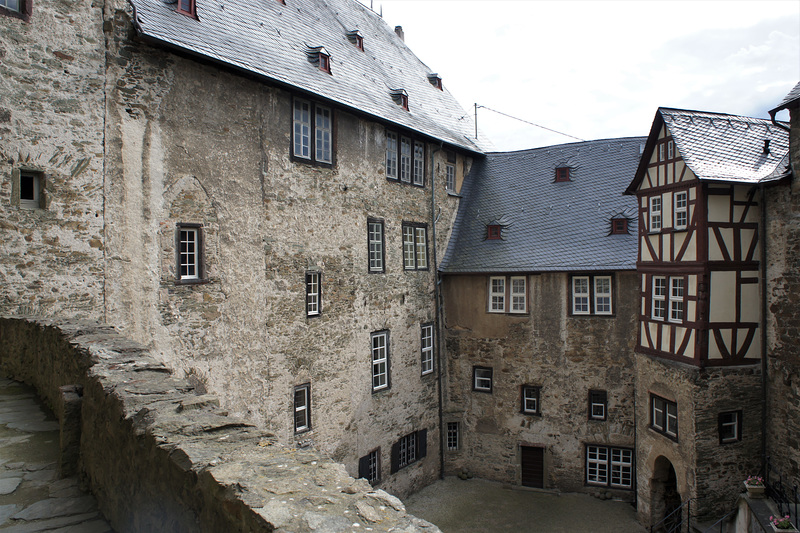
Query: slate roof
[(791, 100), (721, 147), (548, 226), (272, 41)]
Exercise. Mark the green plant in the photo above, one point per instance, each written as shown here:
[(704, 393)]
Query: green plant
[(781, 523)]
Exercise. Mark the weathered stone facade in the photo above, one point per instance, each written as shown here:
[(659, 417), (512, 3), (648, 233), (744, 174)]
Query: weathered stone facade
[(566, 356)]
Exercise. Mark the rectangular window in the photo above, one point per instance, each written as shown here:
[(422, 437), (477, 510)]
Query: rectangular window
[(11, 5), (405, 159), (380, 360), (661, 151), (426, 343), (730, 427), (30, 187), (312, 125), (482, 379), (681, 213), (592, 295), (302, 408), (530, 400), (655, 213), (453, 436), (415, 246), (375, 244), (409, 449), (676, 299), (313, 293), (189, 252), (519, 294), (664, 416), (619, 226), (598, 403), (323, 133), (670, 150), (659, 305), (419, 164), (391, 155), (302, 129), (609, 466), (450, 177), (497, 295), (187, 7), (369, 466)]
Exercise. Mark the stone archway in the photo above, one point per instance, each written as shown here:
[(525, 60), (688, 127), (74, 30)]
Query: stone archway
[(664, 496)]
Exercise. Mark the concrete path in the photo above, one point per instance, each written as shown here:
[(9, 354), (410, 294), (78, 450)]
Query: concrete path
[(478, 506), (32, 498)]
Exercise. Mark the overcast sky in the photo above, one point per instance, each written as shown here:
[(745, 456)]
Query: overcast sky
[(597, 70)]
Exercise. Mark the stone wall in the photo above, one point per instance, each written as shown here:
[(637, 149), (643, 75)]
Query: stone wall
[(564, 355), (158, 456)]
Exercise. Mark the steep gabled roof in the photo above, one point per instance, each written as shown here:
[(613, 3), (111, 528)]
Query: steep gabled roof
[(272, 41), (791, 100), (720, 147), (548, 226)]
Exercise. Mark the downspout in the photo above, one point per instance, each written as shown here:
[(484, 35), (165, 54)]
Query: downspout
[(763, 237), (438, 311)]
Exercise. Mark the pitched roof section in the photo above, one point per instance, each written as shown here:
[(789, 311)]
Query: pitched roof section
[(791, 100), (270, 40), (720, 147), (548, 226)]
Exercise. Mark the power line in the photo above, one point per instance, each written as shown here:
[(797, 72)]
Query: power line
[(517, 118)]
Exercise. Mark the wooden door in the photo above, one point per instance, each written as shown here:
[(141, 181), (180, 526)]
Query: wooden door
[(532, 466)]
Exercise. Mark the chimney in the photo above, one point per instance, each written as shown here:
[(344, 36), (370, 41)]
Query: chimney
[(399, 31), (766, 146)]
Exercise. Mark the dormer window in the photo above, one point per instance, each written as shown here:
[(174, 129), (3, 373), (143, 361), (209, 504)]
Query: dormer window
[(187, 7), (319, 56), (356, 38), (400, 97), (619, 226), (493, 232), (562, 174), (435, 80)]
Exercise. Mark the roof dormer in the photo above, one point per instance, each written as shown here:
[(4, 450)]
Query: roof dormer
[(320, 57), (562, 174), (355, 37), (400, 97), (435, 80)]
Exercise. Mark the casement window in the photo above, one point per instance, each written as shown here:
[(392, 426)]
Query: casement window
[(426, 348), (562, 174), (598, 404), (680, 215), (189, 256), (375, 245), (312, 133), (450, 177), (405, 159), (369, 466), (302, 408), (619, 226), (409, 449), (415, 246), (380, 360), (609, 466), (530, 400), (20, 9), (676, 292), (730, 427), (512, 290), (453, 436), (655, 213), (493, 232), (659, 298), (27, 189), (664, 416), (670, 150), (661, 151), (324, 62), (187, 7), (313, 293), (591, 295), (482, 378)]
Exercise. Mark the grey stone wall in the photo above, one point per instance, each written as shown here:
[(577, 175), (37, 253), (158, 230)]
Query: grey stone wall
[(564, 355), (161, 457)]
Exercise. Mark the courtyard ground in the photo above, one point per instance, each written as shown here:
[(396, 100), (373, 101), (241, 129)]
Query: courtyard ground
[(478, 506)]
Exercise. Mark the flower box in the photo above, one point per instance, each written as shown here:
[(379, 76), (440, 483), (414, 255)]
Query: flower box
[(755, 491)]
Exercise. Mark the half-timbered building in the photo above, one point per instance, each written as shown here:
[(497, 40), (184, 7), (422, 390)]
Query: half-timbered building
[(700, 338)]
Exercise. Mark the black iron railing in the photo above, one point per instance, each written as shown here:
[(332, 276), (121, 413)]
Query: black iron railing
[(720, 524), (676, 521), (782, 490)]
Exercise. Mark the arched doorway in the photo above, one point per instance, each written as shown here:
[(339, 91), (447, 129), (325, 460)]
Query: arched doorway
[(665, 499)]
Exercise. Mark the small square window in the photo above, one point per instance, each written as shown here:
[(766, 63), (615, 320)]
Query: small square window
[(730, 427), (619, 226), (598, 404), (31, 190), (562, 174), (493, 232), (482, 379), (530, 400), (187, 7)]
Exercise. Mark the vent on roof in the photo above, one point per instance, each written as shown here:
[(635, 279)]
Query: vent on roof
[(400, 97), (435, 80), (399, 31), (317, 55), (766, 146), (355, 37)]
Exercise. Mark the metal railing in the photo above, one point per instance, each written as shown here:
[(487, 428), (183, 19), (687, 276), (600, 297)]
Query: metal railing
[(721, 523), (779, 490), (675, 521)]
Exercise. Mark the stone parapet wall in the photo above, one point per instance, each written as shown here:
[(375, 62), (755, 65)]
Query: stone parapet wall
[(161, 457)]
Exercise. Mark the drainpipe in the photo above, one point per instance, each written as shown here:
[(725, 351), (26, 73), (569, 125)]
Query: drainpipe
[(438, 308), (763, 237)]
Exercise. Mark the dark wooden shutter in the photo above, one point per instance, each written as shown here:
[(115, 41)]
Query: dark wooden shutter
[(532, 466), (395, 459), (422, 440), (363, 467)]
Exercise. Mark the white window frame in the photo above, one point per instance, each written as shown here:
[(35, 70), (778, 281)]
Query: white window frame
[(677, 293), (12, 5), (408, 450), (661, 151), (519, 295), (426, 348), (670, 150), (609, 466), (374, 466), (313, 293), (375, 245), (664, 416), (405, 159), (450, 177), (658, 309), (415, 246), (597, 465), (323, 134), (497, 294), (680, 204), (580, 295), (531, 400), (482, 378), (312, 132), (391, 155), (302, 408), (598, 405), (730, 421), (189, 250), (621, 468), (301, 131), (655, 214), (380, 360), (418, 177), (453, 436), (602, 298)]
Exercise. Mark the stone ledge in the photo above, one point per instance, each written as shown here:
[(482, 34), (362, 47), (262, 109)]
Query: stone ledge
[(160, 457)]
